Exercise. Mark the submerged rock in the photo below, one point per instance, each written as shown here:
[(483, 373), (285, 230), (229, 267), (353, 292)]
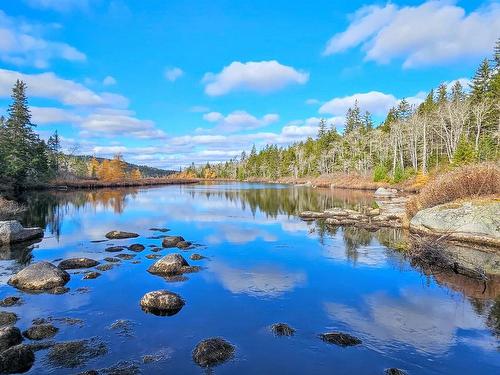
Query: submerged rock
[(76, 263), (162, 302), (114, 249), (171, 264), (91, 275), (121, 368), (123, 327), (137, 247), (58, 290), (196, 257), (394, 371), (153, 256), (282, 329), (105, 267), (7, 318), (16, 359), (41, 276), (163, 230), (125, 256), (475, 221), (183, 244), (11, 231), (171, 241), (120, 235), (41, 331), (340, 339), (10, 301), (71, 354), (9, 336), (112, 260), (212, 352)]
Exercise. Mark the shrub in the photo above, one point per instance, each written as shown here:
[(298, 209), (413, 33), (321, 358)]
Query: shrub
[(471, 181), (464, 154), (380, 173), (399, 174)]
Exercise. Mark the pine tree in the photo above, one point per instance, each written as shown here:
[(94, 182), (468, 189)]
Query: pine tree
[(353, 119), (481, 82), (322, 128), (457, 92), (391, 118), (54, 148), (442, 94), (367, 122), (404, 110)]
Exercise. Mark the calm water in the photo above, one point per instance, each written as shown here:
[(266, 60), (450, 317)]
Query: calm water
[(264, 266)]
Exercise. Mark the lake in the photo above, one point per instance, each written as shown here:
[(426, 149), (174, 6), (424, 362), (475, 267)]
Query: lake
[(263, 265)]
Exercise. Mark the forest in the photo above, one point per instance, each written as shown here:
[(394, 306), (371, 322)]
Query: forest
[(453, 126)]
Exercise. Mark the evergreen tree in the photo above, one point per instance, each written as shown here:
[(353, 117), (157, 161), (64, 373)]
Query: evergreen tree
[(457, 92), (481, 82), (353, 119), (404, 110), (54, 148), (322, 128), (367, 122)]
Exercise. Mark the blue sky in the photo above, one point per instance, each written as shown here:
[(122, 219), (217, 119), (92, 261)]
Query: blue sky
[(166, 83)]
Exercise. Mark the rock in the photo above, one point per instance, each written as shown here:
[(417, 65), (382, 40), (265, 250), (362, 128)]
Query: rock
[(171, 241), (119, 235), (476, 221), (16, 359), (212, 352), (156, 249), (76, 263), (9, 336), (394, 371), (114, 249), (121, 368), (41, 331), (105, 267), (112, 260), (162, 302), (373, 212), (153, 256), (91, 275), (10, 301), (41, 345), (125, 256), (11, 231), (183, 244), (136, 247), (71, 354), (383, 192), (123, 327), (41, 276), (160, 355), (282, 329), (310, 215), (196, 257), (163, 230), (335, 212), (58, 290), (340, 339), (171, 264)]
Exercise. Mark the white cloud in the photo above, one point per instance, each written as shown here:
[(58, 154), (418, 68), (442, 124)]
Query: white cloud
[(172, 74), (434, 32), (376, 102), (239, 120), (109, 81), (312, 101), (263, 77), (50, 86), (59, 5), (51, 115), (21, 44)]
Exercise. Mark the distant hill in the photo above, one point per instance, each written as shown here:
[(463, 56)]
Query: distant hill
[(129, 167)]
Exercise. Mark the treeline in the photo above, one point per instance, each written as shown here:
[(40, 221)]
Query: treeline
[(452, 126)]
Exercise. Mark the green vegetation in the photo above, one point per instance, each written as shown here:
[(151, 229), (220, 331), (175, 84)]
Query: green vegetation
[(453, 126)]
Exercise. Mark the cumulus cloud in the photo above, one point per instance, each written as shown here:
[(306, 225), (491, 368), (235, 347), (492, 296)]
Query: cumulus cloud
[(50, 86), (262, 77), (51, 115), (376, 102), (391, 32), (21, 44), (109, 81), (173, 74), (239, 120)]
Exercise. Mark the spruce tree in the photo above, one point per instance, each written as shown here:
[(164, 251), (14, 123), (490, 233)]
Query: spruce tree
[(481, 82), (442, 95)]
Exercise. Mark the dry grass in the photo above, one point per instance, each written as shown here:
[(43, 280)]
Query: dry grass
[(470, 181), (92, 184), (10, 209)]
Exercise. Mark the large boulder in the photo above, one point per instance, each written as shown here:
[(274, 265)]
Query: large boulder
[(120, 235), (12, 231), (41, 276), (76, 263), (16, 359), (162, 302), (213, 351), (476, 221), (9, 336), (171, 264), (171, 241)]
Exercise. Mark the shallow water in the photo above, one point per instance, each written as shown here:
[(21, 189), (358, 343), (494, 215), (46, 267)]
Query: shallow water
[(264, 265)]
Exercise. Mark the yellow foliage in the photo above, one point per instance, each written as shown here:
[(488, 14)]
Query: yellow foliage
[(136, 174), (93, 167), (420, 180), (112, 170), (209, 173)]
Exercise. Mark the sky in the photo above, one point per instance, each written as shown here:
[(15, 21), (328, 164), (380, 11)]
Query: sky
[(168, 83)]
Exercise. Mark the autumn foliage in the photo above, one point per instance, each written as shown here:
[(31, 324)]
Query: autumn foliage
[(112, 170)]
